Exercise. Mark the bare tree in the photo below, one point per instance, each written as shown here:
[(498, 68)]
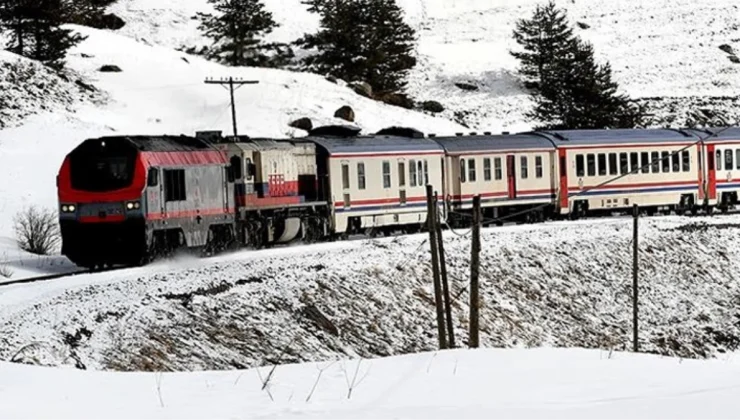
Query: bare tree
[(36, 230)]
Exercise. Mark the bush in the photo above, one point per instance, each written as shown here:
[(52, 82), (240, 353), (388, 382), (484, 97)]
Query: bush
[(36, 230), (5, 270)]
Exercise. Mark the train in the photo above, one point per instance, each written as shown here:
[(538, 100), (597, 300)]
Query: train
[(127, 200)]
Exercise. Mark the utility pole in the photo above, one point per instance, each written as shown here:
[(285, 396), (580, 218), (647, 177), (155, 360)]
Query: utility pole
[(231, 83), (474, 271), (635, 218), (443, 272), (431, 225)]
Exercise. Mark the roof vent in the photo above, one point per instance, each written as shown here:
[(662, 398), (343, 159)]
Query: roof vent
[(506, 133), (401, 132), (335, 131), (473, 133), (432, 135), (458, 134), (214, 136), (487, 133)]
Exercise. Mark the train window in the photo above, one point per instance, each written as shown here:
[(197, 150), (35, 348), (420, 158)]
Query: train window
[(486, 169), (462, 170), (251, 169), (412, 172), (420, 172), (174, 185), (655, 162), (401, 174), (361, 176), (153, 177), (634, 162), (523, 160), (666, 161), (345, 176), (686, 159), (737, 159), (471, 170), (426, 172), (613, 167), (236, 167), (386, 174), (719, 160), (580, 171), (623, 163), (497, 171), (675, 157), (538, 166), (728, 159), (644, 162), (591, 164), (602, 164)]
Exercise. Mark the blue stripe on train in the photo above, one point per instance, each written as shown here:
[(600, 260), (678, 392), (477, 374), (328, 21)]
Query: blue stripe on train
[(635, 190)]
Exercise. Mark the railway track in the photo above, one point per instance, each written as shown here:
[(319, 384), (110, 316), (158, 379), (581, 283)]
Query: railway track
[(57, 276)]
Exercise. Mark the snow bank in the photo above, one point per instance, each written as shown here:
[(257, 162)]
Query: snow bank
[(560, 284), (660, 48), (487, 383)]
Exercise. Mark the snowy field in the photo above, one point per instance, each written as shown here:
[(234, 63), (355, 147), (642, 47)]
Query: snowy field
[(486, 383), (560, 284), (660, 48)]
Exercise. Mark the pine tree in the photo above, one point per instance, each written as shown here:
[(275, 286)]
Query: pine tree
[(236, 32), (362, 40), (569, 89), (86, 12), (35, 31)]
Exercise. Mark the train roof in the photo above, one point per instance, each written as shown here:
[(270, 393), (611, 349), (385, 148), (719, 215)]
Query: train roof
[(481, 143), (271, 144), (163, 143), (565, 138), (717, 134), (374, 144)]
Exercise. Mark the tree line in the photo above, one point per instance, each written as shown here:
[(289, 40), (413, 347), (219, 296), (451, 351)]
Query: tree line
[(358, 41)]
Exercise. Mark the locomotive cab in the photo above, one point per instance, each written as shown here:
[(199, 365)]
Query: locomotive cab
[(101, 203)]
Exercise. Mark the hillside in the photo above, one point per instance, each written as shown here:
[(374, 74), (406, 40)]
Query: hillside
[(158, 91), (560, 284), (663, 51)]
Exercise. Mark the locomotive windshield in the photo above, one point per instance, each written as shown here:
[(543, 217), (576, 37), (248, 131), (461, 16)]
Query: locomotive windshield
[(102, 165)]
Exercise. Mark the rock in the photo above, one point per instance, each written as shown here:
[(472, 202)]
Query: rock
[(112, 22), (346, 113), (583, 25), (728, 49), (331, 79), (362, 89), (85, 86), (110, 68), (302, 123), (397, 99), (432, 106), (466, 86), (735, 59)]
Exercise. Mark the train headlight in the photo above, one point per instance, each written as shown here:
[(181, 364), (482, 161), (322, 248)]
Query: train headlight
[(133, 205), (68, 208)]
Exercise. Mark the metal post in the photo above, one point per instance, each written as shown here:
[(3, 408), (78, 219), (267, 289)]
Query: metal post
[(431, 225), (445, 284), (231, 83), (474, 271), (635, 218)]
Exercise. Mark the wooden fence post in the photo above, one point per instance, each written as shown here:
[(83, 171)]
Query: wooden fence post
[(431, 224), (474, 271)]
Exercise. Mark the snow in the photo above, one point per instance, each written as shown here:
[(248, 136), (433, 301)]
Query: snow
[(162, 91), (657, 49), (485, 383), (561, 284)]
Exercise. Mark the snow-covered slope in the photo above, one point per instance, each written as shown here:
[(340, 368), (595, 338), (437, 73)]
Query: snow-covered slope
[(657, 49), (162, 91), (564, 284), (451, 384)]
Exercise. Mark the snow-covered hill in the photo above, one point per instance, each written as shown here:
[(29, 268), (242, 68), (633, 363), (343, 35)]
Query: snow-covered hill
[(484, 383), (664, 49), (161, 91), (563, 284)]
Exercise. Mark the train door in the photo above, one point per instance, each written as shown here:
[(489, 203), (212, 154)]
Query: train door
[(511, 176), (402, 181), (712, 162)]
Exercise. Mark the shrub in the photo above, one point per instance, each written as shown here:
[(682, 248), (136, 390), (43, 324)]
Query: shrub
[(36, 230)]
